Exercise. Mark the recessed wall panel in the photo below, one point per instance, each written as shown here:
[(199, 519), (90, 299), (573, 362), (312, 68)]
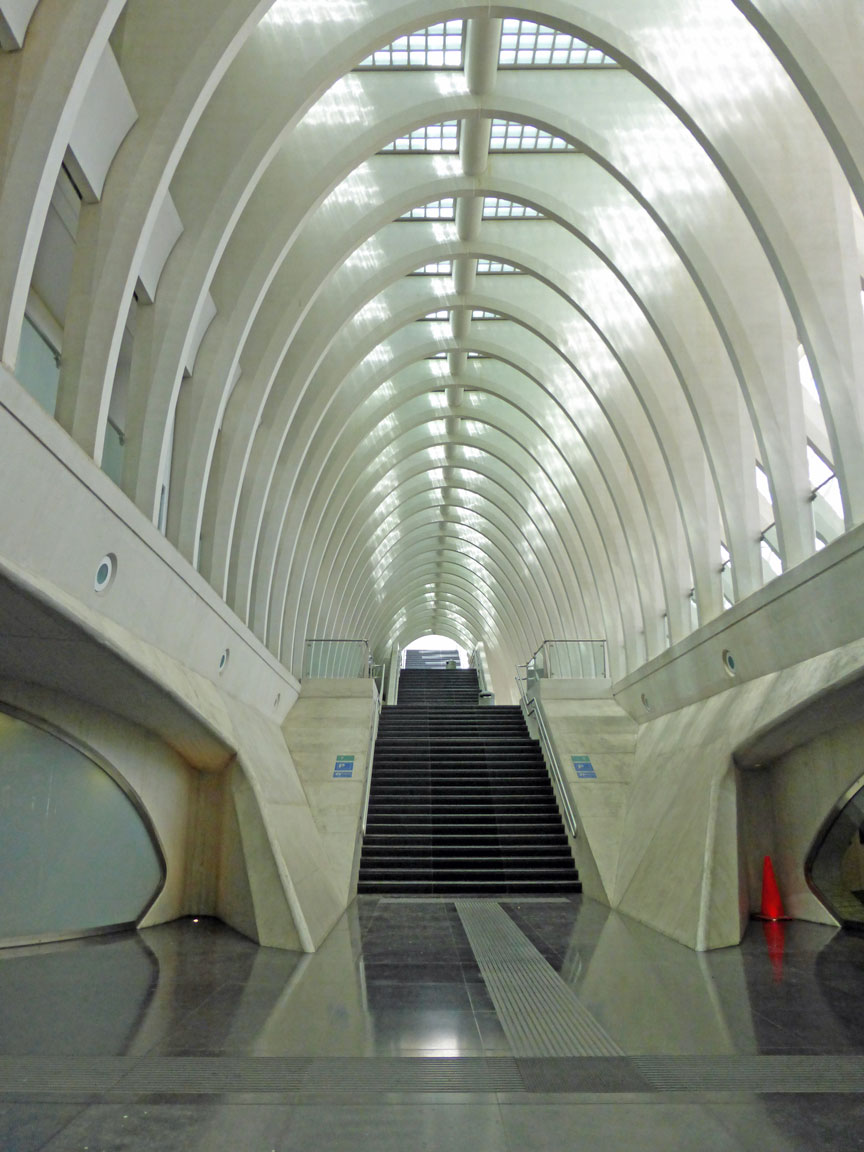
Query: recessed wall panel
[(75, 854)]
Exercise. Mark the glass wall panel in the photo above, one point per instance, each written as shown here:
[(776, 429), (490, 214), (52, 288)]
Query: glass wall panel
[(38, 369), (75, 854)]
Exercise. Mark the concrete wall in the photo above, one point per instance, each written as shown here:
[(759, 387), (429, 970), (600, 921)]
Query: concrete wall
[(136, 672), (685, 837), (600, 729), (815, 607), (333, 718)]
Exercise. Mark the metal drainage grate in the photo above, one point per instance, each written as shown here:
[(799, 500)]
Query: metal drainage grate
[(752, 1074), (27, 1075)]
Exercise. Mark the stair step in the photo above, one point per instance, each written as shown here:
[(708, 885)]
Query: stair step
[(471, 871), (460, 798), (473, 886), (459, 857)]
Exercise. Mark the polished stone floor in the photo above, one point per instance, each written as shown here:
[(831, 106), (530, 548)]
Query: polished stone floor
[(401, 1034)]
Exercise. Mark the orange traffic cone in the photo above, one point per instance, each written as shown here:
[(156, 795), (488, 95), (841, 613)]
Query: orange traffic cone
[(772, 905)]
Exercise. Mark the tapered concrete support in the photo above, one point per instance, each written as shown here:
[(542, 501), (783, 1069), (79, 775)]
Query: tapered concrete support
[(481, 54), (474, 144), (460, 323), (469, 214), (464, 275), (457, 362)]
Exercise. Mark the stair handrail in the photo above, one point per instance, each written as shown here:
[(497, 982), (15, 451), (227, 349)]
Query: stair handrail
[(532, 707), (477, 665), (370, 756)]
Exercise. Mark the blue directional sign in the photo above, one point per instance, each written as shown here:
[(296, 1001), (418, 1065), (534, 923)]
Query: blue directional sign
[(583, 768), (344, 769)]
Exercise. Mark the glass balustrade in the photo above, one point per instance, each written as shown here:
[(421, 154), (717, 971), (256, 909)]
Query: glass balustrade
[(336, 660), (566, 659)]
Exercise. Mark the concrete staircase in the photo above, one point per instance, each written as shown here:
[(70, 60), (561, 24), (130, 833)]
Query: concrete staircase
[(460, 801)]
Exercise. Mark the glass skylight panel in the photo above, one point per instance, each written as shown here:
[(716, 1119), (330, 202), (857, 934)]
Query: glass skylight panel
[(436, 268), (772, 565), (762, 484), (825, 489), (442, 314), (726, 576), (486, 267), (805, 374), (436, 210), (525, 44), (437, 356), (494, 208), (482, 314), (477, 356), (428, 138), (510, 136), (438, 46), (818, 469)]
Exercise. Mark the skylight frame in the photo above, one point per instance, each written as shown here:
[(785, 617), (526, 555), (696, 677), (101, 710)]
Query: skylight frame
[(437, 48), (510, 136), (486, 266), (434, 268), (527, 44), (436, 210), (504, 209), (438, 139)]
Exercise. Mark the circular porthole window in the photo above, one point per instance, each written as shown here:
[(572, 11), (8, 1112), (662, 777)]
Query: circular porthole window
[(106, 570), (728, 663), (223, 660)]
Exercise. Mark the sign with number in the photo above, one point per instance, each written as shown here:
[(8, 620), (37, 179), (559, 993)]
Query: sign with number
[(344, 769), (583, 768)]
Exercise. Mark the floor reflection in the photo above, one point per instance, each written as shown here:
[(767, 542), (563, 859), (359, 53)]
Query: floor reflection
[(399, 978)]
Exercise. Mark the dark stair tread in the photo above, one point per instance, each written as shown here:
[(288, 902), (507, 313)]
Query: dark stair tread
[(460, 798)]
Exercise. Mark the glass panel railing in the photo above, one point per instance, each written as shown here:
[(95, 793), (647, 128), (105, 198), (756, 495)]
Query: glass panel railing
[(567, 659), (113, 453), (533, 710), (38, 367), (336, 660)]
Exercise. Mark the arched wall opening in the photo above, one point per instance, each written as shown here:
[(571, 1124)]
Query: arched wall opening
[(434, 651)]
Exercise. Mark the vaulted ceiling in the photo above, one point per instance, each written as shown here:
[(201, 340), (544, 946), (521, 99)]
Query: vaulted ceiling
[(501, 323)]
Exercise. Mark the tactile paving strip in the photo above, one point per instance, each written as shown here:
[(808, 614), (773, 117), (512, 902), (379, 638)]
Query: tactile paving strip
[(774, 1073), (540, 1014)]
